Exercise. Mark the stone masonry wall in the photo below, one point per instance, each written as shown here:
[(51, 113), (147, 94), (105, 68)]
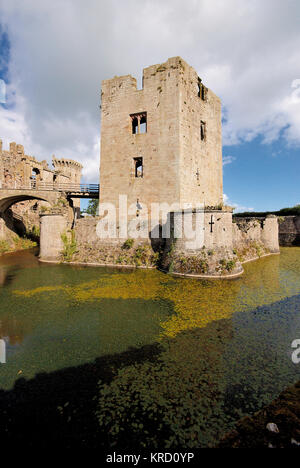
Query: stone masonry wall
[(220, 249), (254, 237), (159, 146), (51, 244), (289, 230), (201, 179), (211, 255), (119, 252), (224, 245)]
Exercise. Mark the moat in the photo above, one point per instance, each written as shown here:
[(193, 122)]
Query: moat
[(180, 360)]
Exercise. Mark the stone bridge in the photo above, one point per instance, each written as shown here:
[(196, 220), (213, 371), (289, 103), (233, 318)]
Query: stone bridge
[(46, 192), (11, 196), (24, 178)]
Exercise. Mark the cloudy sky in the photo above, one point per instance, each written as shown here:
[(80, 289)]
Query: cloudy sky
[(54, 54)]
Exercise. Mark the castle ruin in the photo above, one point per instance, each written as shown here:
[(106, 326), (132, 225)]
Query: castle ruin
[(161, 144), (26, 185)]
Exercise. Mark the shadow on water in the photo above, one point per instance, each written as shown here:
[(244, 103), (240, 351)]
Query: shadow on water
[(58, 408), (186, 391)]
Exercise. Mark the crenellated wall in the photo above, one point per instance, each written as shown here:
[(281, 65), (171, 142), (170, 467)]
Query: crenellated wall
[(19, 170), (67, 168)]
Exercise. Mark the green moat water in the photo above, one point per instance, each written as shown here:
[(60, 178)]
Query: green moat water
[(184, 359)]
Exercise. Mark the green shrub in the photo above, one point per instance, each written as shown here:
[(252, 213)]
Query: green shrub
[(191, 264), (4, 246), (293, 211), (22, 243), (230, 265), (121, 259), (33, 233), (61, 202), (144, 255), (128, 244), (70, 246), (227, 265)]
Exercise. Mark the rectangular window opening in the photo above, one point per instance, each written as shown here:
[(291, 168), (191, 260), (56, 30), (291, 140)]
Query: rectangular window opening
[(138, 167), (139, 123), (199, 87), (202, 130), (202, 90)]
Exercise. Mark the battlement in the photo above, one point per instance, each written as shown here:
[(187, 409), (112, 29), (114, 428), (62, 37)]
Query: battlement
[(67, 168), (15, 149), (62, 163), (173, 63), (18, 169), (172, 68)]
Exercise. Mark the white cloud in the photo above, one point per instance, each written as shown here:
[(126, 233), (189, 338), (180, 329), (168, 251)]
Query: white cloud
[(228, 160), (2, 91), (291, 109), (12, 120), (247, 52), (237, 207)]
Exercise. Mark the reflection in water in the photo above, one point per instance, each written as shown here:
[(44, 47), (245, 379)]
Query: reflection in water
[(2, 277), (195, 302), (225, 344)]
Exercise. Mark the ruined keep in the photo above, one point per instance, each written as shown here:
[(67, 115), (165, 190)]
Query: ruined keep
[(161, 143)]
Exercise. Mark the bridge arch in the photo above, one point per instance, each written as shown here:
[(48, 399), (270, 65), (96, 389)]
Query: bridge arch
[(7, 202), (15, 222), (10, 197)]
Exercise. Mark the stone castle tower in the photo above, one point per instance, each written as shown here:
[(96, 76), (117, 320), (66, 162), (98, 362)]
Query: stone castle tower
[(161, 143), (68, 168)]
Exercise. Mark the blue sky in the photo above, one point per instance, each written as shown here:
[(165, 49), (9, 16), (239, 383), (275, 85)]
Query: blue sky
[(5, 55), (262, 176), (248, 53)]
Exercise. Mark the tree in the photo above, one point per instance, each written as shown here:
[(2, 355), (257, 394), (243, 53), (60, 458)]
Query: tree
[(92, 207)]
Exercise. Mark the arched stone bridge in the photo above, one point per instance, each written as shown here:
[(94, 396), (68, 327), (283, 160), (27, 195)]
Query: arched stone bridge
[(46, 192)]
